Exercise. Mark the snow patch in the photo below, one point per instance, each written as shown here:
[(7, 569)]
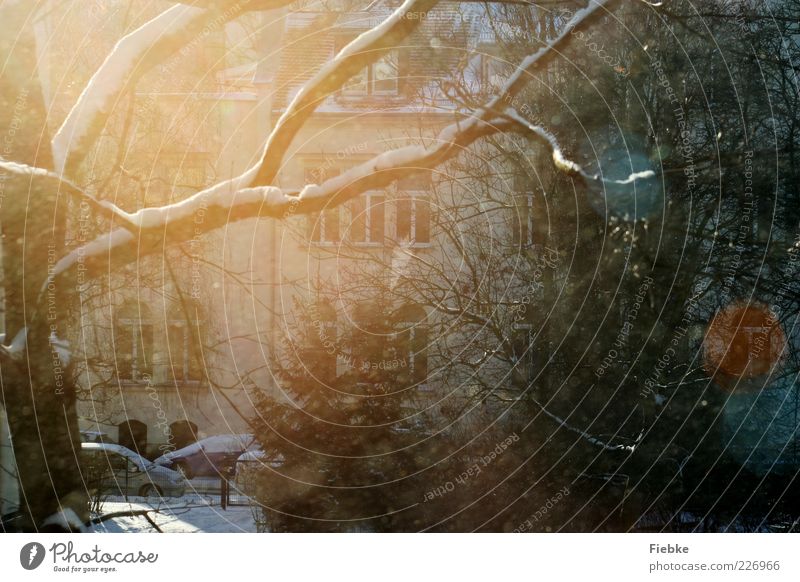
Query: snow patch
[(190, 514)]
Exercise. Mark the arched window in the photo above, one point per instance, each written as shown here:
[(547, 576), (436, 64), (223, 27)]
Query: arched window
[(184, 432), (132, 341), (133, 435), (412, 341)]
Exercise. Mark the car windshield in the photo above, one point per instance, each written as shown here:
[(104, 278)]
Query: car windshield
[(137, 460), (143, 463)]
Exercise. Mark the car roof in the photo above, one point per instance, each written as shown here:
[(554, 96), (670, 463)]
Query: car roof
[(252, 456), (223, 442), (119, 449)]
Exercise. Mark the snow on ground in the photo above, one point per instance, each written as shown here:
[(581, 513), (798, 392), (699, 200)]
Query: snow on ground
[(187, 514)]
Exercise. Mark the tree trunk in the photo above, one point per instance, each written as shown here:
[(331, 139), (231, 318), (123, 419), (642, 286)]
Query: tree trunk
[(37, 392)]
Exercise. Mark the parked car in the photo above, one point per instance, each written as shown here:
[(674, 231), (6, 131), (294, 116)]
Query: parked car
[(116, 470), (213, 456)]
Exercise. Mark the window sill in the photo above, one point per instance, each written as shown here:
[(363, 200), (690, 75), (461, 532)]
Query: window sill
[(149, 383), (373, 245), (394, 98)]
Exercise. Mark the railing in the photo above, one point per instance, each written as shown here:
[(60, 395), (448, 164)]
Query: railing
[(237, 488)]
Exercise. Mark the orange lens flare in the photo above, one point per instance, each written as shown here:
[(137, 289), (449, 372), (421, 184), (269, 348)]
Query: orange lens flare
[(742, 345)]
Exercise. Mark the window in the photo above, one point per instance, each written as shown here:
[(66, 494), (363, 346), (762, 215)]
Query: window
[(367, 214), (132, 341), (413, 220), (384, 75), (491, 72), (412, 341), (379, 78), (527, 205), (358, 84), (117, 462), (184, 351), (132, 434), (323, 227), (522, 336), (413, 210), (522, 226), (522, 348), (183, 432)]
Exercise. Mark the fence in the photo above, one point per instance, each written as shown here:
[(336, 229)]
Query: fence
[(236, 489)]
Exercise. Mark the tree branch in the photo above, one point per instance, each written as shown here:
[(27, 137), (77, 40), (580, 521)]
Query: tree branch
[(361, 52), (150, 229), (135, 54)]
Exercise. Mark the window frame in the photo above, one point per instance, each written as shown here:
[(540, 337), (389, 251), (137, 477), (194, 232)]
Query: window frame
[(316, 221), (133, 327), (490, 69), (372, 199), (372, 77), (523, 222), (413, 197), (413, 190), (186, 356), (368, 72), (524, 335)]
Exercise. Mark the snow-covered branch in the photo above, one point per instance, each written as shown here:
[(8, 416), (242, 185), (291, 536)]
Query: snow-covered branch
[(16, 349), (30, 178), (361, 52), (563, 163), (148, 230), (134, 55), (582, 19), (583, 434)]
